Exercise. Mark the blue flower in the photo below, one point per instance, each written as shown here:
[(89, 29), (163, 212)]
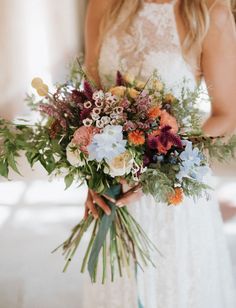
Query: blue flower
[(189, 155), (199, 173), (108, 144), (191, 166)]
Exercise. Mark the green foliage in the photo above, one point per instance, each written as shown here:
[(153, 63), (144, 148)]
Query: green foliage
[(217, 148), (220, 150), (32, 102), (34, 142), (194, 188), (76, 71), (157, 183), (186, 109)]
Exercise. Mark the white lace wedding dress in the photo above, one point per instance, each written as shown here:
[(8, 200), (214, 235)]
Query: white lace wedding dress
[(194, 271)]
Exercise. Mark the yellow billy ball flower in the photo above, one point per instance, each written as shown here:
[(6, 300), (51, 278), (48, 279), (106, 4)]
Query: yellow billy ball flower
[(43, 90), (37, 83)]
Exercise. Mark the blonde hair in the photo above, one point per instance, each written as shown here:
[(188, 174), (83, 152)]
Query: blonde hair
[(233, 2), (195, 14)]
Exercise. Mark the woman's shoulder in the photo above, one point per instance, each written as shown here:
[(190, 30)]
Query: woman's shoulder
[(100, 4), (99, 7), (220, 11), (222, 24)]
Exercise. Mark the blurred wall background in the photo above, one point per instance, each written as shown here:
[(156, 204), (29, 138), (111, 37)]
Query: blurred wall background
[(37, 37)]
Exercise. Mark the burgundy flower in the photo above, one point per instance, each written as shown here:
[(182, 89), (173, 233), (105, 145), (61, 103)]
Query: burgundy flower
[(119, 79), (88, 90), (152, 142), (55, 129), (78, 97), (166, 136), (146, 160), (85, 113)]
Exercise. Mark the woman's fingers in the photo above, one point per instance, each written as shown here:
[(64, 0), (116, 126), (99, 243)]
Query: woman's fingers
[(125, 186), (100, 202), (86, 212), (109, 198), (90, 206), (93, 210), (130, 196)]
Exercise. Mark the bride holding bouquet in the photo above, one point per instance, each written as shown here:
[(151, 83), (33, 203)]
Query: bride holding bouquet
[(183, 40)]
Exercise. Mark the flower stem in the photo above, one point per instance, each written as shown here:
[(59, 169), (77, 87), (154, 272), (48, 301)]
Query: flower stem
[(89, 247)]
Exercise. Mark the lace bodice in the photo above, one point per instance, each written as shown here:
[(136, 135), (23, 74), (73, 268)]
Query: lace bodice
[(151, 43)]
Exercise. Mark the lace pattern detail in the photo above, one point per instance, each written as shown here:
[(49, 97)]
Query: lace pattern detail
[(149, 44)]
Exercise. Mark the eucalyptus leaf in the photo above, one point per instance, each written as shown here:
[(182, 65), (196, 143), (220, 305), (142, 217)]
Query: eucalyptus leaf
[(69, 178)]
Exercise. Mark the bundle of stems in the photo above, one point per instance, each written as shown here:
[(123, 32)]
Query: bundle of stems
[(118, 239)]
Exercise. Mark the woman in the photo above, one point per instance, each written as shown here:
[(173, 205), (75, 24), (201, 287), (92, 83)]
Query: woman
[(183, 39)]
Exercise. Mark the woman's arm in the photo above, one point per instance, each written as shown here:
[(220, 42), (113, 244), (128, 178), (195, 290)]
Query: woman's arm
[(219, 70), (95, 12)]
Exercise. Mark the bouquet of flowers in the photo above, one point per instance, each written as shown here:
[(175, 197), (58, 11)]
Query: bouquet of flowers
[(135, 131)]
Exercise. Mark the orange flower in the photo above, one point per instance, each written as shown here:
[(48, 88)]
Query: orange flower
[(154, 112), (163, 150), (167, 119), (136, 137), (154, 133), (177, 197)]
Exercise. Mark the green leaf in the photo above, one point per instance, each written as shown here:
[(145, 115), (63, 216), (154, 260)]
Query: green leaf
[(104, 227), (69, 180), (12, 163), (4, 169)]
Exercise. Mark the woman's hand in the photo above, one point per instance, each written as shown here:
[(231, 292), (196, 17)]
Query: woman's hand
[(129, 194), (94, 199)]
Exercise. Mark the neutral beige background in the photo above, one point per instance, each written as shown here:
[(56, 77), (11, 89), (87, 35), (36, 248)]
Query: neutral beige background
[(37, 37)]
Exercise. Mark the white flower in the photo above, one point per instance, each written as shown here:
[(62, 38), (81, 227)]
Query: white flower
[(73, 155), (95, 116), (99, 124), (87, 122), (119, 110), (98, 95), (96, 110), (120, 165), (110, 98), (108, 144), (105, 120), (88, 104), (99, 103), (114, 116), (113, 122)]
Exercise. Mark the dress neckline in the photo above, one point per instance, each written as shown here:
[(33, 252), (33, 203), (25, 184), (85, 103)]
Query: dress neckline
[(171, 3)]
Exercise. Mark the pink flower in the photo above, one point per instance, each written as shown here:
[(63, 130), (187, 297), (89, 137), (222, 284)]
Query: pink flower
[(83, 137)]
